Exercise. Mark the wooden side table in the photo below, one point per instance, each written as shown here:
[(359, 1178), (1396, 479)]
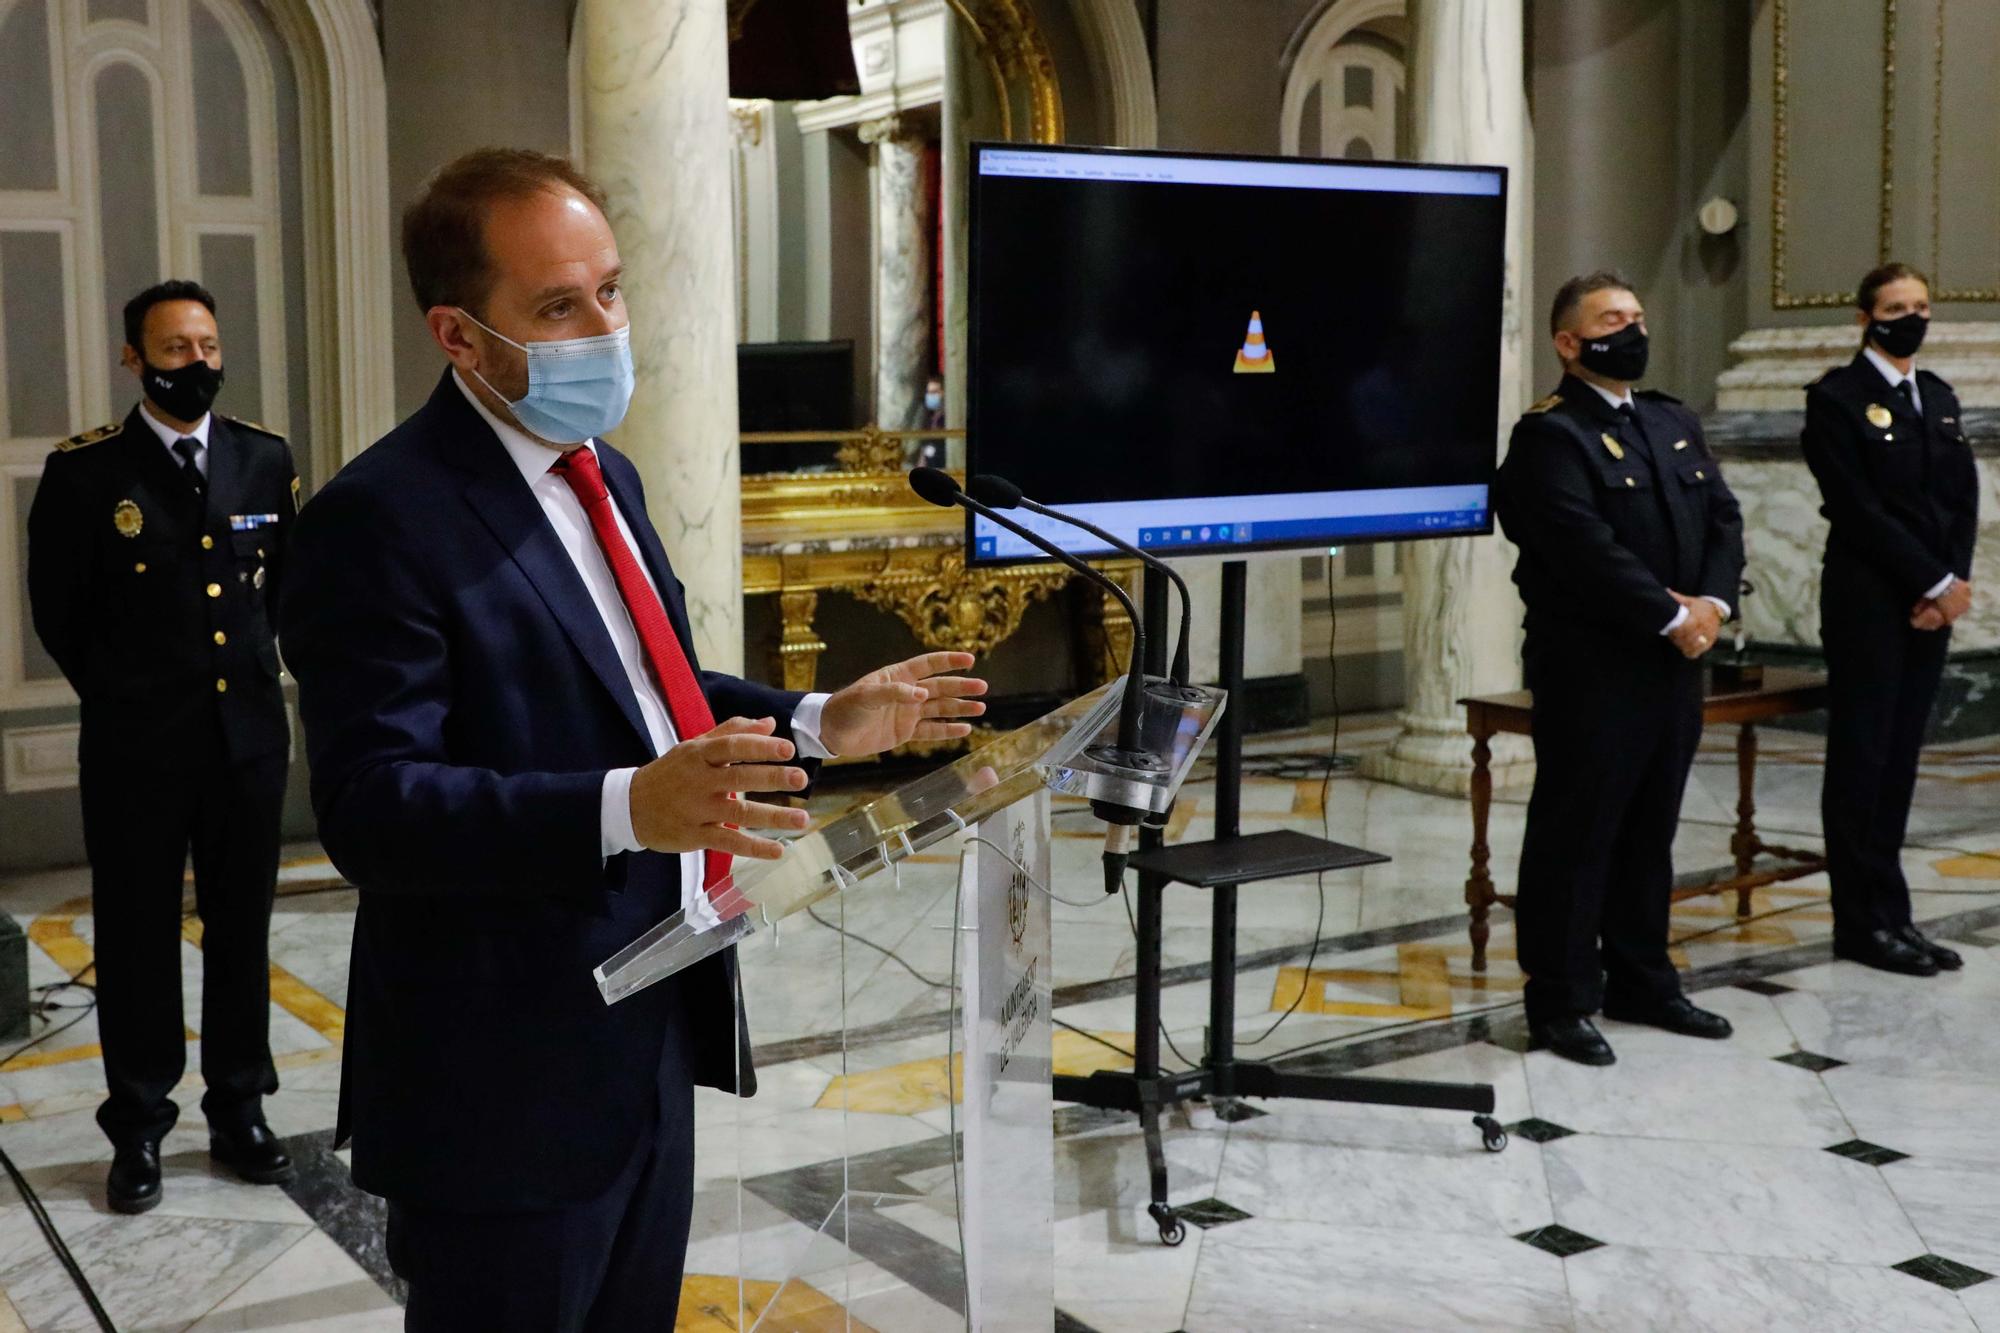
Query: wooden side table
[(1784, 691)]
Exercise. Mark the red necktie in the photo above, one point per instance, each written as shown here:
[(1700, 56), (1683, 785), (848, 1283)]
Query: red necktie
[(686, 704)]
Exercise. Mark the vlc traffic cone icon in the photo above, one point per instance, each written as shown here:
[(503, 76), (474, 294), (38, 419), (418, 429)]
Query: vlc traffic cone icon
[(1254, 358)]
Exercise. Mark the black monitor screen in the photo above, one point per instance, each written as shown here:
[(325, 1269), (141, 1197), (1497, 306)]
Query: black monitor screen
[(1208, 354)]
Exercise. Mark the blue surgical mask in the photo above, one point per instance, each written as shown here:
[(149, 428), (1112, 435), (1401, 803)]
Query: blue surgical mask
[(933, 401), (577, 389)]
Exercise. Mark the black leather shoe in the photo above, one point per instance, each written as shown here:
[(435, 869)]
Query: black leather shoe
[(134, 1183), (1676, 1015), (1574, 1037), (255, 1154), (1886, 951), (1946, 959)]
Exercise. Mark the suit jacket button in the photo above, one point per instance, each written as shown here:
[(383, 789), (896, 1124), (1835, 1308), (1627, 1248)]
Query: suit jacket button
[(215, 590), (207, 542), (1630, 482), (220, 638), (139, 568)]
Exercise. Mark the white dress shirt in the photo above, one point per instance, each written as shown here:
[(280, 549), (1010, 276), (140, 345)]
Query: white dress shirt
[(1895, 378), (1680, 613), (170, 437), (572, 526)]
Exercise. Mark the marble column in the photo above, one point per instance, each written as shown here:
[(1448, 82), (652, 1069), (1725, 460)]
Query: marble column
[(658, 139), (1461, 616), (904, 274)]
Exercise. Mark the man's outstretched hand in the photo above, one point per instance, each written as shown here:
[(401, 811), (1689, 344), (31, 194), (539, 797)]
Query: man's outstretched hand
[(689, 798), (911, 700)]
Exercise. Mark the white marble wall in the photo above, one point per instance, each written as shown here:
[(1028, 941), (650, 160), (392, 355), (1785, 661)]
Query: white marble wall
[(1784, 538), (1461, 616), (1773, 366), (658, 130)]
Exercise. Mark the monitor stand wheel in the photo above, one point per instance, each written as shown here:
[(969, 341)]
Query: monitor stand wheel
[(1491, 1136), (1172, 1230)]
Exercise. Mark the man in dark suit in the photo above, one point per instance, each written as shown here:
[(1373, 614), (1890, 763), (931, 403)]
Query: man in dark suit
[(1631, 547), (156, 550), (514, 759), (1885, 442)]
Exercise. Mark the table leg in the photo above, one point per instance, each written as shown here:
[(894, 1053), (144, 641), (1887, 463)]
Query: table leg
[(1479, 894), (798, 646), (1744, 841)]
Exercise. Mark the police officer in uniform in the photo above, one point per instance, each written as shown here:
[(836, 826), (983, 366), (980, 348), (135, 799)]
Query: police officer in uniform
[(1631, 547), (155, 550), (1886, 443)]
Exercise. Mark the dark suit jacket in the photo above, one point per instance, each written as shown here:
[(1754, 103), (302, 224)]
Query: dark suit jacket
[(1605, 531), (462, 703), (121, 555), (1902, 495)]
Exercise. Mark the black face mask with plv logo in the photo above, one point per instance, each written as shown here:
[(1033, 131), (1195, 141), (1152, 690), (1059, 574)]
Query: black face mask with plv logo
[(1616, 356), (184, 392), (1901, 336)]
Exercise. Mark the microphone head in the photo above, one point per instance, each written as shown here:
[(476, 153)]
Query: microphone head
[(935, 485), (994, 492)]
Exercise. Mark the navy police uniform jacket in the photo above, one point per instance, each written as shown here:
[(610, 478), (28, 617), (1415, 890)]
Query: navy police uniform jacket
[(157, 602), (1609, 512), (1900, 487), (462, 702)]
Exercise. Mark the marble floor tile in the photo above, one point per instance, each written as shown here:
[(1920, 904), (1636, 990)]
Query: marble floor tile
[(1937, 1118), (1980, 979), (1113, 1274), (313, 1287), (1983, 1304), (1667, 1095), (1760, 1030), (1624, 1289), (191, 1185), (1915, 1030), (1106, 1168), (150, 1272), (1268, 1273), (1470, 1192), (1356, 1125), (1954, 1205), (1788, 1203)]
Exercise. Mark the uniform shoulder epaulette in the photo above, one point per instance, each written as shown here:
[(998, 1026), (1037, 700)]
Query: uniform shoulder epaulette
[(1535, 409), (1657, 395), (257, 426), (90, 437)]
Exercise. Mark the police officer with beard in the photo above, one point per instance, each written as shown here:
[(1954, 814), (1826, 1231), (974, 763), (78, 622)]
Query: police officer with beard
[(156, 546), (1630, 548), (1887, 445)]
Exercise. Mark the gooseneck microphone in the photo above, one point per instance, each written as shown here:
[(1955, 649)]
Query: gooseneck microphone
[(939, 488), (1001, 493)]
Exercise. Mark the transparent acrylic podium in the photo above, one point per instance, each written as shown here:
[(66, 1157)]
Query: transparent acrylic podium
[(839, 1197)]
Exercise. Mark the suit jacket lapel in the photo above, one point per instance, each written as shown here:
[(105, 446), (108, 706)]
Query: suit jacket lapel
[(511, 513)]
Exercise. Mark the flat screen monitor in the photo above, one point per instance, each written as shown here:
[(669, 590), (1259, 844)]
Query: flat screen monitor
[(793, 386), (1213, 355)]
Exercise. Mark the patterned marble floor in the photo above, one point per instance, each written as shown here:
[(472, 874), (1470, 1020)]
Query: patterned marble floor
[(1828, 1168)]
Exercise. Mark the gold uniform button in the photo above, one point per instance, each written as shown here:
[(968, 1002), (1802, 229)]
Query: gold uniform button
[(1699, 475), (1630, 482), (221, 685), (215, 590), (139, 568), (220, 638), (207, 542)]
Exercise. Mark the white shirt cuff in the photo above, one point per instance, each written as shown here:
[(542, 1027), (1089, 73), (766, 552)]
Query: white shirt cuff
[(614, 820), (1680, 618), (1941, 587), (805, 727), (1719, 605)]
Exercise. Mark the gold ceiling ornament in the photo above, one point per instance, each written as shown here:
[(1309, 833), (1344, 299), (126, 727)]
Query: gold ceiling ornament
[(950, 607), (739, 10), (1016, 53)]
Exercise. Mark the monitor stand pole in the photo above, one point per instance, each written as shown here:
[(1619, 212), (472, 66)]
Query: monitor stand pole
[(1221, 865)]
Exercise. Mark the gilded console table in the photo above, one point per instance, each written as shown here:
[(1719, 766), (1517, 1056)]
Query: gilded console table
[(856, 528)]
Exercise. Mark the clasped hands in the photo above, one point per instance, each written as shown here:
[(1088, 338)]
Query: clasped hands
[(1937, 612), (1698, 633), (692, 797)]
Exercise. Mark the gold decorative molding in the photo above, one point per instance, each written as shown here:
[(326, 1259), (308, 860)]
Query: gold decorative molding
[(1781, 299), (948, 606), (1017, 56)]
